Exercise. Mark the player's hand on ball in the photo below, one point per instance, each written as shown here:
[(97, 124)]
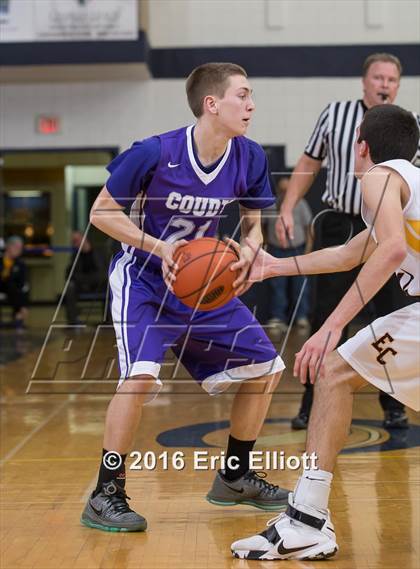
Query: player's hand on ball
[(313, 354), (262, 263), (243, 265), (169, 267)]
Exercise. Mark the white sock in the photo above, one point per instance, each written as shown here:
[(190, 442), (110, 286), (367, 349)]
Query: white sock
[(313, 489)]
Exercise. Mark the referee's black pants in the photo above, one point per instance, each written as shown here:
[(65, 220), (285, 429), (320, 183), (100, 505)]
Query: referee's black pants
[(335, 228)]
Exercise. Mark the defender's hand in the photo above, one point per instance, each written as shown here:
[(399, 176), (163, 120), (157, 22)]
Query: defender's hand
[(259, 267), (252, 260), (314, 352)]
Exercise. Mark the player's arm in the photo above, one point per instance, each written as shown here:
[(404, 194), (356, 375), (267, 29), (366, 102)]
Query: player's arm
[(129, 172), (108, 216), (329, 260), (250, 221), (258, 195), (381, 190)]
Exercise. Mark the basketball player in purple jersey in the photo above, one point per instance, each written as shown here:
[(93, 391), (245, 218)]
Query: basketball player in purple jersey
[(176, 186)]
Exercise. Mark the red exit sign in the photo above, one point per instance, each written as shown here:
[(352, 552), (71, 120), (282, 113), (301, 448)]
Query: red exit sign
[(47, 124)]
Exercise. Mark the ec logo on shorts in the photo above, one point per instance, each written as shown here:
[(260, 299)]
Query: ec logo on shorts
[(378, 345)]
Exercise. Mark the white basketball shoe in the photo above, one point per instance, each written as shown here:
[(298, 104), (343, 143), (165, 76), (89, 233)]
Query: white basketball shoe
[(299, 533)]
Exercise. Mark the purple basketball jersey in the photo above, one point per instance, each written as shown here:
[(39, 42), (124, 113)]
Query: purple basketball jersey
[(183, 201), (173, 197)]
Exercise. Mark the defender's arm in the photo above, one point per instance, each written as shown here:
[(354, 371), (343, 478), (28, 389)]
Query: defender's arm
[(330, 260), (381, 190)]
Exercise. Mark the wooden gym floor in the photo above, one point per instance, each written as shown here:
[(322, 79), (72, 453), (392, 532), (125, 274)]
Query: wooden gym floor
[(51, 438)]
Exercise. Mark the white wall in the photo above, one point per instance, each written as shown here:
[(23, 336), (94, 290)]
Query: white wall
[(115, 114), (282, 22)]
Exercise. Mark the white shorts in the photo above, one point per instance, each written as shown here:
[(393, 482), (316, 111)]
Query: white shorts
[(387, 354)]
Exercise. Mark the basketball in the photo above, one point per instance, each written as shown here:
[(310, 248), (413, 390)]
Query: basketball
[(204, 279)]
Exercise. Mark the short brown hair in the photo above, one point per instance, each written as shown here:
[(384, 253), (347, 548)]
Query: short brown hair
[(386, 57), (209, 79), (391, 133)]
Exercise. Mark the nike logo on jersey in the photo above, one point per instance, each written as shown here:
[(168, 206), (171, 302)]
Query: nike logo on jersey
[(285, 550), (170, 165)]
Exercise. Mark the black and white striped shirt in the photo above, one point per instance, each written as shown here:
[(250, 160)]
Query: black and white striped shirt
[(333, 138)]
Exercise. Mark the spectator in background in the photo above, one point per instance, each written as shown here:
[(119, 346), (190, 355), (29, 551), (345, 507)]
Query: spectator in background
[(285, 291), (87, 273), (13, 274)]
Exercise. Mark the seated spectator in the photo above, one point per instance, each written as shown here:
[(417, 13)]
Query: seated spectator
[(13, 274), (285, 291), (87, 273)]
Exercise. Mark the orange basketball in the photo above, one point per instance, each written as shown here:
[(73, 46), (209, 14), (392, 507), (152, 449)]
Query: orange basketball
[(204, 279)]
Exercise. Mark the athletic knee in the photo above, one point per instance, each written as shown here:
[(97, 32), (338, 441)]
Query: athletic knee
[(264, 384), (273, 380), (138, 386), (338, 376)]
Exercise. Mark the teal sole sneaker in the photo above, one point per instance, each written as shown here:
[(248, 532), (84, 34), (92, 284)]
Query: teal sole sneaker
[(109, 511), (251, 489)]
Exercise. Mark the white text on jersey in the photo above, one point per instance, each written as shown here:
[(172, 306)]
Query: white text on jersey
[(197, 205)]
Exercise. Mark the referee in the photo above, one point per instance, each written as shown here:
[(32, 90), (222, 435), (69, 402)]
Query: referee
[(333, 140)]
